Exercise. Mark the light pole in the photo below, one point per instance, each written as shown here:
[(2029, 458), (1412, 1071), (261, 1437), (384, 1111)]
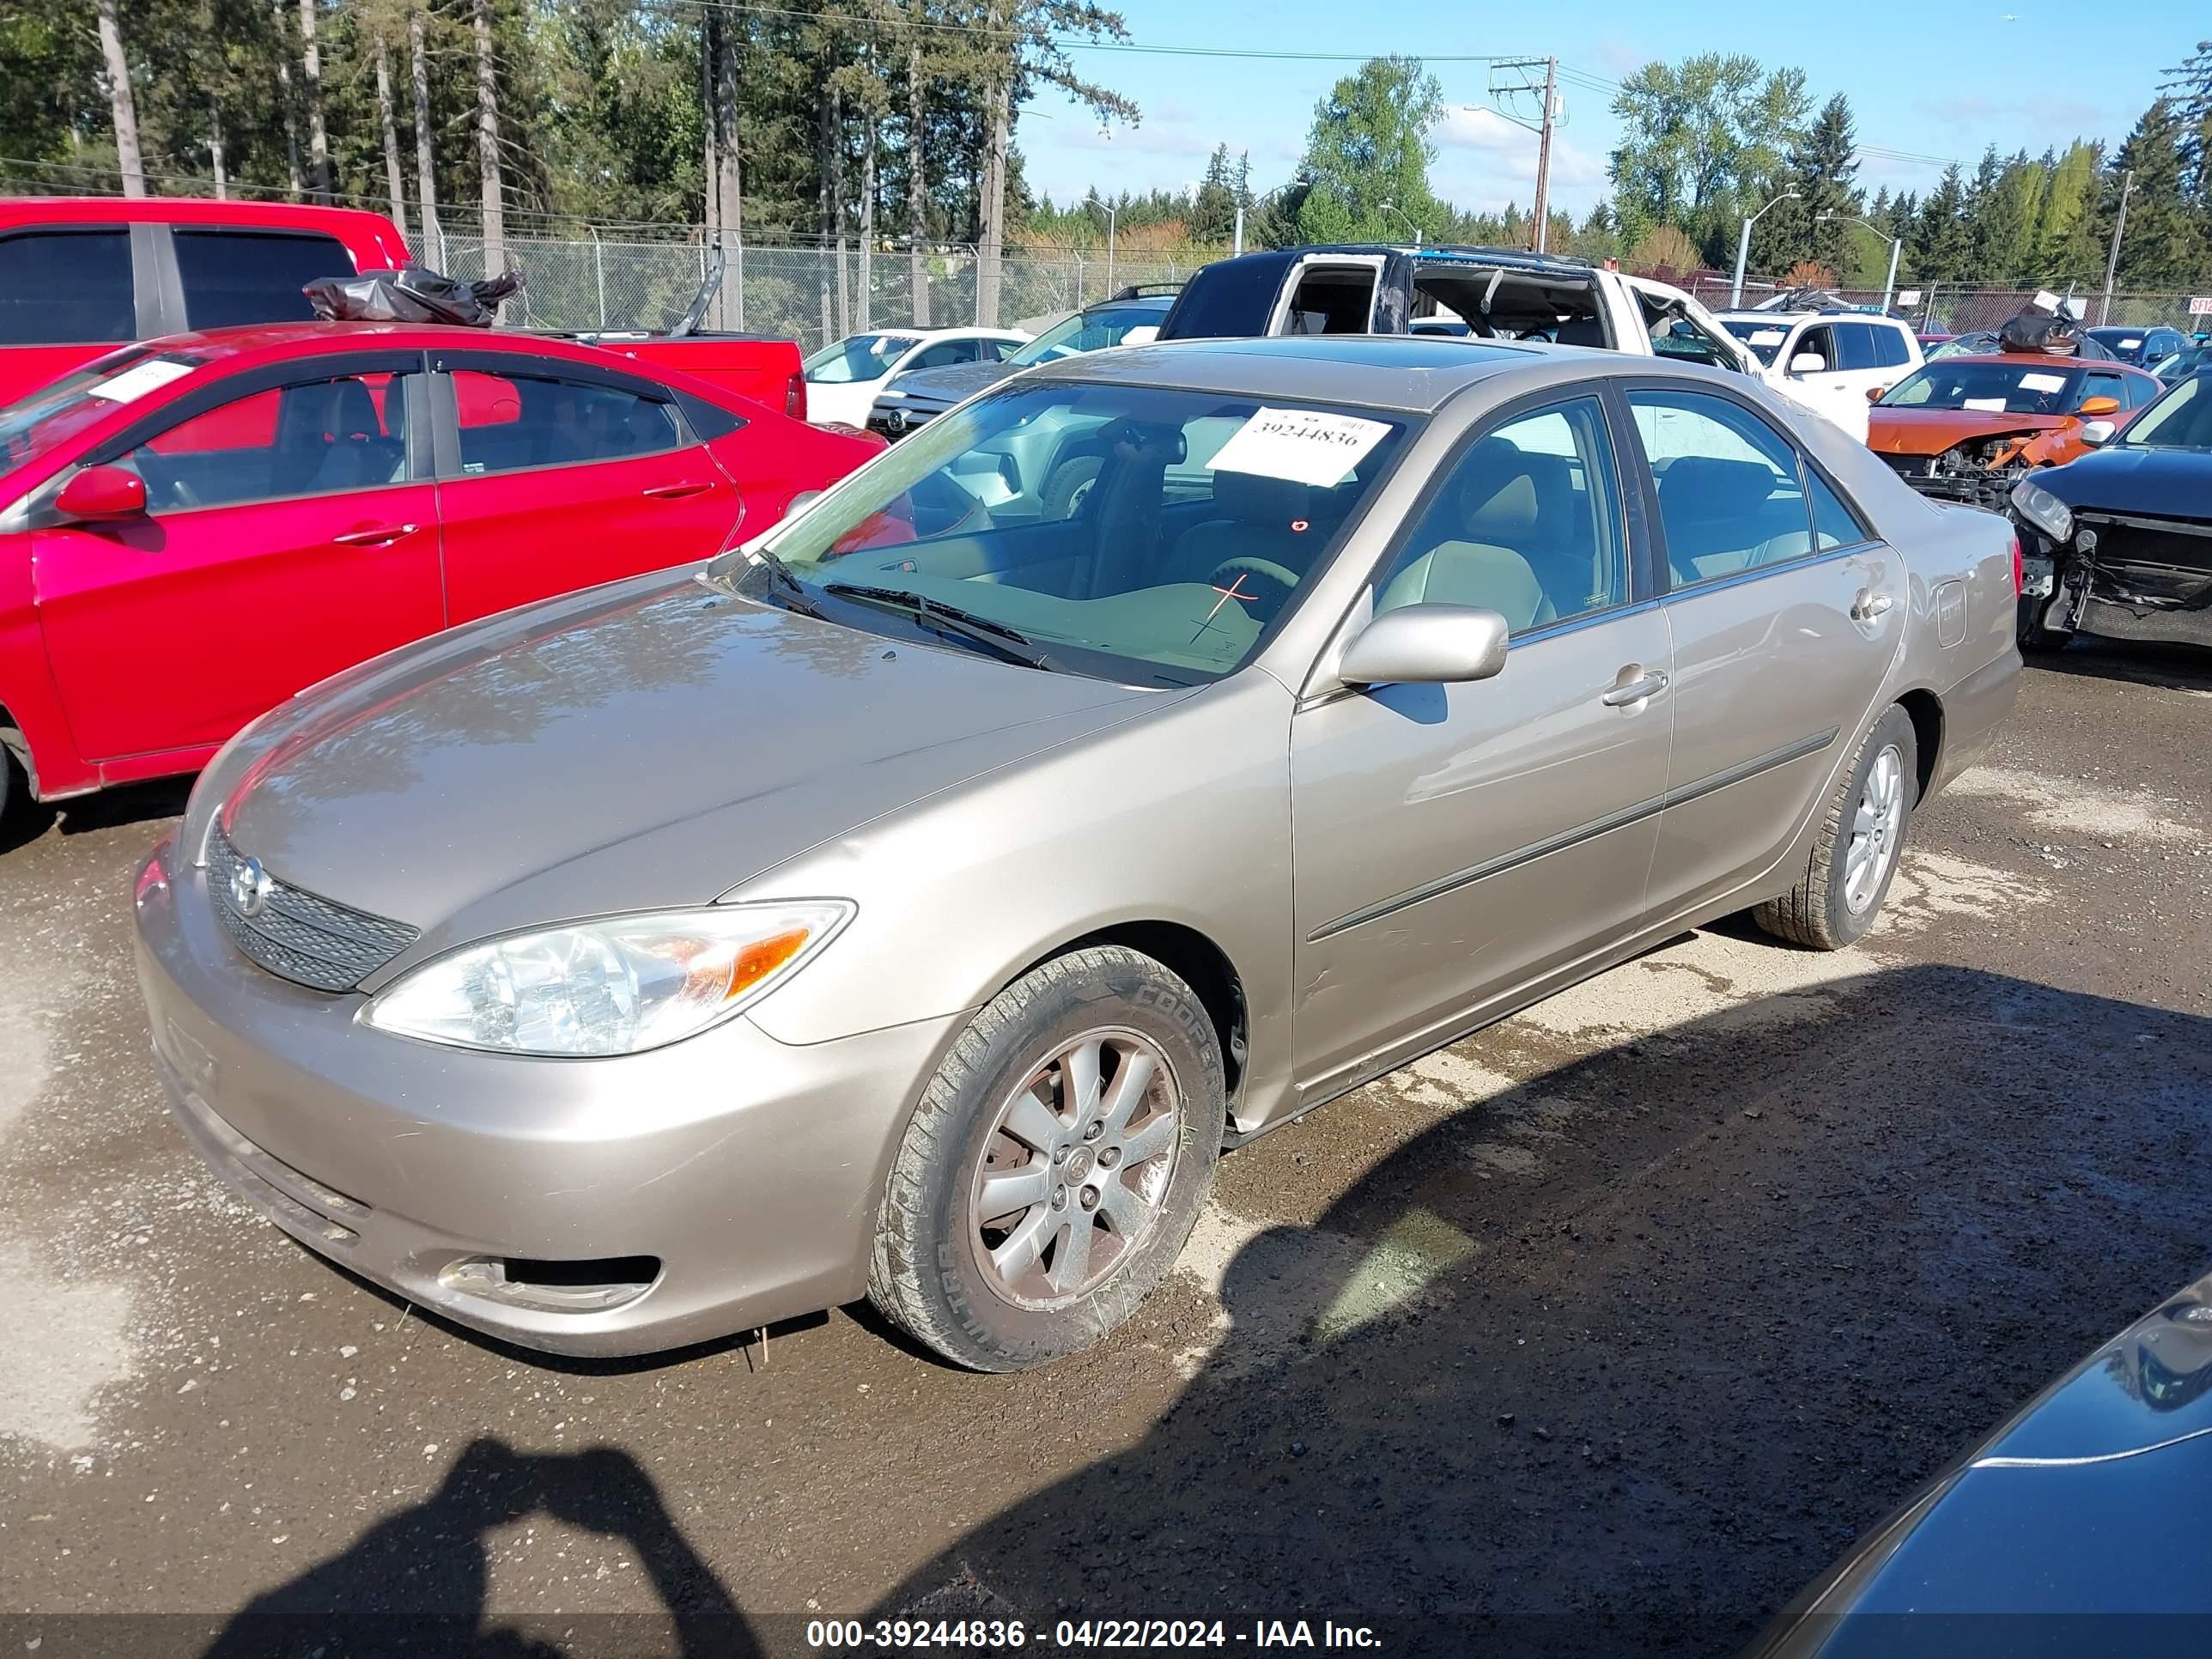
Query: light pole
[(1392, 207), (1743, 245), (1896, 247), (1112, 213)]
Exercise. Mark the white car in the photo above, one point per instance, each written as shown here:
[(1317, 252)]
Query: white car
[(843, 378), (1835, 362)]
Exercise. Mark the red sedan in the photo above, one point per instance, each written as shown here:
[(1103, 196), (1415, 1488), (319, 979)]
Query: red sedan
[(193, 529)]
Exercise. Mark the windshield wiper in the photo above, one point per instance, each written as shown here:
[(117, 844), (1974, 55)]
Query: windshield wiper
[(1007, 644)]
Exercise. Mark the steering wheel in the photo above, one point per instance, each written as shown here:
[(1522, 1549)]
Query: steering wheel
[(1230, 573)]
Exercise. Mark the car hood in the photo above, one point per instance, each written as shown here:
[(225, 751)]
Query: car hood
[(2164, 483), (2094, 1498), (1932, 431), (947, 386), (653, 744)]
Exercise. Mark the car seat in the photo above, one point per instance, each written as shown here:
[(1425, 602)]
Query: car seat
[(328, 438), (1715, 514), (1284, 522)]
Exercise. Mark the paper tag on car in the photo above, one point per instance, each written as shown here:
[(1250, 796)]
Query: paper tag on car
[(1299, 446), (136, 382), (1769, 336), (1987, 405), (2043, 383)]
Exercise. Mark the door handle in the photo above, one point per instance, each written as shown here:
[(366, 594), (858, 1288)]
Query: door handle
[(1634, 691), (1870, 605), (674, 492), (380, 537)]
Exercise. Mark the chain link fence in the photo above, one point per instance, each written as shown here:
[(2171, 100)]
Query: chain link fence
[(811, 295), (1959, 308)]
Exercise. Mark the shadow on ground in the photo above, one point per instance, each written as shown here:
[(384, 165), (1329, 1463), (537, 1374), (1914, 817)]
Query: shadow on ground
[(1761, 1276), (106, 809)]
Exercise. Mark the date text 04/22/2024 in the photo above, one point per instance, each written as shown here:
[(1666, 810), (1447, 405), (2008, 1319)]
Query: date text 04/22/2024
[(997, 1635)]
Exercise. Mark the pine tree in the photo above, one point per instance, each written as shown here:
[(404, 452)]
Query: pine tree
[(1942, 245), (2164, 246)]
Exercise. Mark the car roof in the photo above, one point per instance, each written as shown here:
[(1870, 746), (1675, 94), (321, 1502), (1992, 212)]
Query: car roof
[(1414, 373)]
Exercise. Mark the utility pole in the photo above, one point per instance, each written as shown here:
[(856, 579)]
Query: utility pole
[(2112, 264), (1544, 155), (1502, 88)]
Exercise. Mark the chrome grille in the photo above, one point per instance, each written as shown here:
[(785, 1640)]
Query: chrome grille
[(309, 940)]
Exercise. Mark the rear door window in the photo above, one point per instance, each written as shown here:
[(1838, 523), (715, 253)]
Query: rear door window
[(66, 288), (1730, 495), (235, 276), (1855, 346), (508, 422), (1890, 350)]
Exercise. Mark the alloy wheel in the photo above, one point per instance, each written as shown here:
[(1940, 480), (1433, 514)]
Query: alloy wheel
[(1876, 830), (1074, 1168)]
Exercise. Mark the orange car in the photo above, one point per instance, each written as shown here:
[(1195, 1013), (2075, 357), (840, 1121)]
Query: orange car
[(1963, 429)]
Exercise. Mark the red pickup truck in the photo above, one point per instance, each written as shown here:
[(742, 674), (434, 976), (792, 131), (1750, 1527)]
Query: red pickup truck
[(80, 276)]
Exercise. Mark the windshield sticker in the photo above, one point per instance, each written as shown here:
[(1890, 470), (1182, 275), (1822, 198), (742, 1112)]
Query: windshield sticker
[(1769, 337), (1298, 446), (136, 382), (2043, 383), (1987, 405)]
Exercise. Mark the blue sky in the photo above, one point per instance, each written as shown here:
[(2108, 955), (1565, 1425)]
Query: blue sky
[(1925, 80)]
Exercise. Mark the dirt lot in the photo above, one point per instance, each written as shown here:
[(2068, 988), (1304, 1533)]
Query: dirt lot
[(1602, 1331)]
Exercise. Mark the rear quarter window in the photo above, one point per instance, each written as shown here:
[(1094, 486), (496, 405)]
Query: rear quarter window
[(66, 287), (235, 276)]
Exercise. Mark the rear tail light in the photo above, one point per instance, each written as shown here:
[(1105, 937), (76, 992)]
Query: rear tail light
[(2019, 570), (794, 396)]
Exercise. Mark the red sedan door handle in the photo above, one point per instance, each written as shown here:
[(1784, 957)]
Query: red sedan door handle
[(674, 492), (383, 536)]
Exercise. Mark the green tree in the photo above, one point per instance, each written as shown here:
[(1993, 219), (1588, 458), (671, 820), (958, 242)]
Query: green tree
[(1698, 140), (2164, 246), (1821, 165), (2066, 242), (1942, 245), (1214, 209), (1369, 145)]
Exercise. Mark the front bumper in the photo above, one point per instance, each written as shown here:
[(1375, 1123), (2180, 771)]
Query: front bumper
[(748, 1172)]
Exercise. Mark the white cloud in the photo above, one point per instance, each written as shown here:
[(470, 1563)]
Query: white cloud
[(1485, 160)]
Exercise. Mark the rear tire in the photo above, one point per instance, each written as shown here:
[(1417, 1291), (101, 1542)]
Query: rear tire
[(15, 789), (1034, 1203), (1855, 854)]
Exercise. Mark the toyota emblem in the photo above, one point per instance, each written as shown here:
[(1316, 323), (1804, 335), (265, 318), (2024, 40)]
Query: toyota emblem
[(249, 887)]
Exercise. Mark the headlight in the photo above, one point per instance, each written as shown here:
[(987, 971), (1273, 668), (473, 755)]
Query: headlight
[(2043, 509), (615, 987)]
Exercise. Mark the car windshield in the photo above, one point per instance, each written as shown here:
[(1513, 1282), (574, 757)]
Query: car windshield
[(1131, 533), (1763, 335), (2031, 387), (35, 425), (2182, 419), (1087, 331), (859, 357)]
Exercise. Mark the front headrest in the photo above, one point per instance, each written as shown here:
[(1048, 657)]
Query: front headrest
[(1505, 490)]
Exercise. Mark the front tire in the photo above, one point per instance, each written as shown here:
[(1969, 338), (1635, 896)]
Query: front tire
[(1055, 1166), (1855, 854)]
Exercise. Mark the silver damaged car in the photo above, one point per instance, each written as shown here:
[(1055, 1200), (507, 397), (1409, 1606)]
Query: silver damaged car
[(914, 903)]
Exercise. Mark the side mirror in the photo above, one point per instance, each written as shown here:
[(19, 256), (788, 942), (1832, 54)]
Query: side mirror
[(1876, 393), (1426, 645), (2094, 433), (102, 494), (1807, 362), (2099, 406), (800, 502)]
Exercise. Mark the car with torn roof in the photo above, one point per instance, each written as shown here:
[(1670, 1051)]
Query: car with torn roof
[(956, 880), (2126, 529), (1482, 293)]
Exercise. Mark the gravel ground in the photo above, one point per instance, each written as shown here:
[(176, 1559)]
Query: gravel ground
[(1602, 1330)]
